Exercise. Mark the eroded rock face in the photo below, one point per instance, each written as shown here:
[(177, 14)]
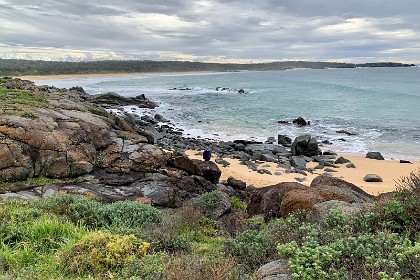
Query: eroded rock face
[(65, 139)]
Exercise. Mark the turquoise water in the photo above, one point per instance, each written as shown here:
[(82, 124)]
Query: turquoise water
[(381, 105)]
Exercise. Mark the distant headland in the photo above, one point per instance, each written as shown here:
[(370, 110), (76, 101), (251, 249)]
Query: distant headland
[(17, 67)]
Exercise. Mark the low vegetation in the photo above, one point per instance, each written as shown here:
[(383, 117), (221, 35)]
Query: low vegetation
[(20, 102), (72, 237), (17, 67)]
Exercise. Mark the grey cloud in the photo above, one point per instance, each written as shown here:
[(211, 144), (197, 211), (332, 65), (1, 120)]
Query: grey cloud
[(247, 29)]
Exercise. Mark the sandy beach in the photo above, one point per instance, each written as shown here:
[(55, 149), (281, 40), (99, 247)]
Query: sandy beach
[(99, 75), (389, 170)]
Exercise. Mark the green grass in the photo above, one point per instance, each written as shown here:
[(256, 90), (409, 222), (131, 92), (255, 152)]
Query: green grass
[(20, 102)]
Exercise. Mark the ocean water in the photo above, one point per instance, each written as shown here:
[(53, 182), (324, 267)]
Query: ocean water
[(380, 105)]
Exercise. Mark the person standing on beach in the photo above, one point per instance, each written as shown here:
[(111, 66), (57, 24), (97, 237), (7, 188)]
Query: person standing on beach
[(206, 155)]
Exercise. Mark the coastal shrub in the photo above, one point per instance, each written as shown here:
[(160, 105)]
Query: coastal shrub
[(409, 185), (192, 267), (150, 267), (208, 200), (284, 230), (131, 214), (100, 252), (94, 214), (342, 247), (237, 204), (173, 232), (250, 248)]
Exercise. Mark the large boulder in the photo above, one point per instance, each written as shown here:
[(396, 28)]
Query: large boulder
[(275, 270), (374, 155), (236, 184), (305, 145), (372, 178), (341, 194), (323, 180), (160, 189), (267, 200), (297, 200)]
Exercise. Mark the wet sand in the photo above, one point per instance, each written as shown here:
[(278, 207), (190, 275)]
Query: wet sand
[(390, 171)]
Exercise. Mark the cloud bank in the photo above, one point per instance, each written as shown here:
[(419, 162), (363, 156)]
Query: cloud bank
[(211, 30)]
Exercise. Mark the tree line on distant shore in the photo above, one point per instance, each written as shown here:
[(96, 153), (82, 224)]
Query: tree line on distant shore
[(17, 67)]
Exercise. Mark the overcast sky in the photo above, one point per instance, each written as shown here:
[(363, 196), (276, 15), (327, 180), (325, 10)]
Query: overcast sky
[(211, 31)]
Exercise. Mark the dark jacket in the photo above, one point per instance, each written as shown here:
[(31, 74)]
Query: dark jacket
[(206, 155)]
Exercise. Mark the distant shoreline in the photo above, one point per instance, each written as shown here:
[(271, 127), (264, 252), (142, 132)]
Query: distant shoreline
[(104, 75)]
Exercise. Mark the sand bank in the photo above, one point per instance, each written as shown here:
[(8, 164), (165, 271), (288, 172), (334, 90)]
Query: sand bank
[(104, 75), (390, 171)]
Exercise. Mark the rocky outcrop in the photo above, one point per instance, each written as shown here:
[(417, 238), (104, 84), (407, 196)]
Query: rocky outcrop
[(284, 140), (112, 99), (69, 143), (63, 137), (305, 145), (284, 198), (267, 200), (234, 223)]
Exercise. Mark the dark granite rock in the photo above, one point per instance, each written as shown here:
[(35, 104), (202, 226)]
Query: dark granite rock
[(372, 178), (341, 160), (374, 155), (300, 122), (305, 145), (236, 184), (284, 140)]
